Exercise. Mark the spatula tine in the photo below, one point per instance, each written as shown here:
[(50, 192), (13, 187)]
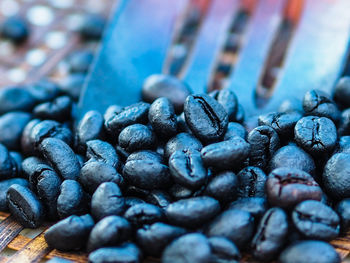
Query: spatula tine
[(250, 64), (209, 42), (316, 55), (134, 47)]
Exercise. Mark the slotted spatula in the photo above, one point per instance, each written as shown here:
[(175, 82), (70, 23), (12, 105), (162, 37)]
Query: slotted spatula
[(141, 32)]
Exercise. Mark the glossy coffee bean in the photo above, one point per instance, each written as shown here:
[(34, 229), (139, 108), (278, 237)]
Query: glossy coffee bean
[(61, 157), (12, 125), (228, 100), (44, 90), (136, 137), (264, 142), (100, 151), (236, 225), (154, 238), (343, 210), (72, 85), (182, 142), (15, 99), (5, 185), (336, 176), (145, 155), (135, 113), (223, 251), (226, 154), (287, 187), (70, 233), (319, 103), (107, 200), (315, 220), (18, 158), (206, 118), (341, 93), (15, 29), (126, 253), (24, 206), (187, 169), (110, 231), (144, 214), (8, 166), (251, 182), (162, 117), (92, 27), (178, 192), (33, 166), (26, 141), (256, 206), (156, 86), (271, 234), (132, 200), (147, 174), (111, 111), (344, 123), (223, 187), (294, 157), (159, 198), (79, 61), (93, 173), (192, 212), (309, 251), (71, 200), (89, 128), (59, 109), (282, 122), (192, 247), (343, 145), (316, 135), (235, 129)]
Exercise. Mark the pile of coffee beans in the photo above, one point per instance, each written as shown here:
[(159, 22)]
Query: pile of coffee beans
[(178, 176)]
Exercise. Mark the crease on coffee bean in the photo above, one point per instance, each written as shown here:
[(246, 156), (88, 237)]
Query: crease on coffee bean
[(18, 207), (215, 120), (316, 219), (261, 235), (252, 185)]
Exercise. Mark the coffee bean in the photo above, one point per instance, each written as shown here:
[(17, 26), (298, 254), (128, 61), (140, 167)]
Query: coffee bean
[(178, 192), (127, 252), (24, 206), (343, 210), (342, 92), (344, 123), (206, 118), (182, 142), (15, 99), (5, 185), (44, 90), (136, 137), (251, 182), (315, 220), (159, 198), (141, 214), (59, 109), (223, 186), (223, 251), (192, 247), (92, 27), (131, 201), (8, 167), (145, 155), (235, 129), (70, 233), (26, 141), (15, 29), (228, 100), (256, 206), (97, 150)]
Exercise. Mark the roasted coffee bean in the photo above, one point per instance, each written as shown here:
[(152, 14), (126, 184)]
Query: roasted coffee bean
[(206, 118), (26, 140), (309, 251), (235, 129), (12, 125), (192, 212), (110, 231), (187, 169), (158, 198), (251, 182), (182, 142), (61, 157), (319, 103), (107, 200), (93, 173), (271, 234), (126, 253), (342, 92), (136, 137), (264, 142), (92, 27), (256, 206), (223, 187), (71, 200), (144, 214), (156, 86), (226, 154), (316, 135), (48, 129), (162, 117), (287, 187), (135, 113), (236, 225), (154, 238), (147, 174), (292, 104), (15, 99), (24, 206), (5, 185), (223, 251), (315, 220), (343, 210), (79, 61), (344, 123), (178, 191), (228, 100), (336, 176), (70, 233), (282, 122), (72, 85), (194, 248), (15, 29), (89, 128), (44, 90), (18, 158), (59, 109), (97, 150), (182, 125), (8, 166), (294, 157), (33, 166), (111, 111), (145, 155), (131, 201)]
